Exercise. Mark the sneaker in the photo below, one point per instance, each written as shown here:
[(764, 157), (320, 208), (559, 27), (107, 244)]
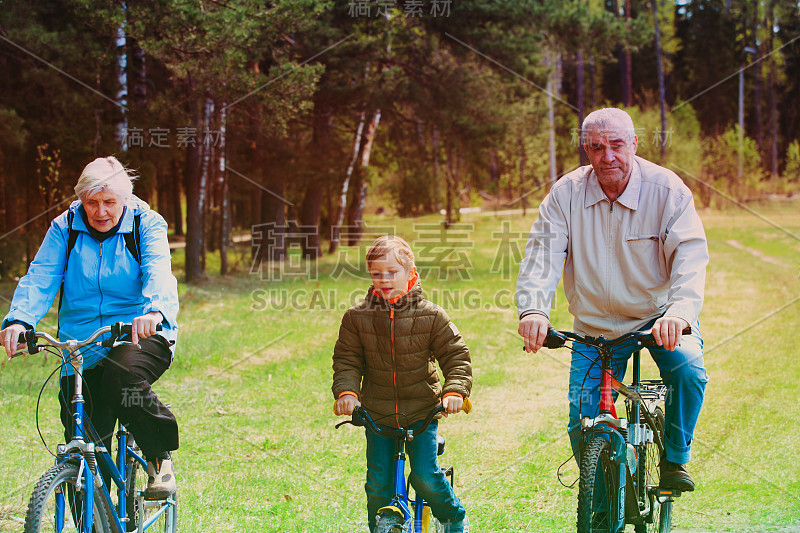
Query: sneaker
[(458, 527), (160, 480), (674, 476)]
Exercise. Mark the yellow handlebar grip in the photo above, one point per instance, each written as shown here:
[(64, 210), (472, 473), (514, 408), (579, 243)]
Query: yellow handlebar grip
[(467, 406)]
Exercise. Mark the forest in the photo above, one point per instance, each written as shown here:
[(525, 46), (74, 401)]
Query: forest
[(301, 115)]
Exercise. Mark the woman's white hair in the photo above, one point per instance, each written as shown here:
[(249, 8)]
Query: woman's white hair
[(105, 174), (607, 118)]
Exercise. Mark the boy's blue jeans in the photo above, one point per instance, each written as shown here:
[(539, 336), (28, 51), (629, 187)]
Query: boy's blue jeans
[(426, 476), (682, 371)]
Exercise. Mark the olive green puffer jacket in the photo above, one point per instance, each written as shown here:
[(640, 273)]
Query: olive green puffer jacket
[(387, 353)]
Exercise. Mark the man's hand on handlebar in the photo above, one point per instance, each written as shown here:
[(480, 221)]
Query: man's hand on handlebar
[(344, 406), (533, 328), (667, 331), (145, 325), (10, 339)]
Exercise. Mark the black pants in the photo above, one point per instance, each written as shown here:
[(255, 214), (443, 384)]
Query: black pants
[(119, 388)]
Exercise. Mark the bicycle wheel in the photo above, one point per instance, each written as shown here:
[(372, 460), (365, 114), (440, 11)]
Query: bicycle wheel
[(58, 485), (167, 520), (648, 477), (596, 489), (390, 523)]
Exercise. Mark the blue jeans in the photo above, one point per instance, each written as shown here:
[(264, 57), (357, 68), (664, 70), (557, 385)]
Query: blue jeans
[(682, 371), (426, 477)]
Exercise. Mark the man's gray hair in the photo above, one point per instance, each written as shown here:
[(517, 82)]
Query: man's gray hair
[(105, 174), (608, 117)]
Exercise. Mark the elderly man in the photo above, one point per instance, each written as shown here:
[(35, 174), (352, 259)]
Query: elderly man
[(633, 252)]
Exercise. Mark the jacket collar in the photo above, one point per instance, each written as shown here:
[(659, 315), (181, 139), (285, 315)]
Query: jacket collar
[(629, 197), (414, 294)]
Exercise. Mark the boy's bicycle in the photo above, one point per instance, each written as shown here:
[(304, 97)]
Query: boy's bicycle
[(405, 514), (73, 496), (619, 463)]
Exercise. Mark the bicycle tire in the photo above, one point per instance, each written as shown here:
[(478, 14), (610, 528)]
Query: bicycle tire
[(648, 476), (136, 483), (40, 517), (390, 523), (596, 491)]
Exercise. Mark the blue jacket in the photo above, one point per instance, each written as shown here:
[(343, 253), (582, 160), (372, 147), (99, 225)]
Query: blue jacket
[(103, 283)]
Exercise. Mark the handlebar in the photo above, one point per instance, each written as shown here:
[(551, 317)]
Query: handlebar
[(118, 330), (557, 339), (362, 418)]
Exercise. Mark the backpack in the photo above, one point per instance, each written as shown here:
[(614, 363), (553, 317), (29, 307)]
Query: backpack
[(131, 243)]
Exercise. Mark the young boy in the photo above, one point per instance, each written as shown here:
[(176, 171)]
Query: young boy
[(384, 359)]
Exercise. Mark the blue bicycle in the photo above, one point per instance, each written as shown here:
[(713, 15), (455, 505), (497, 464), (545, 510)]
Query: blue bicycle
[(73, 496), (405, 514)]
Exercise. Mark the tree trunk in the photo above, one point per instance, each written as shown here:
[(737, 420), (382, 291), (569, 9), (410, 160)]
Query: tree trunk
[(222, 179), (121, 121), (195, 199), (337, 224), (758, 82), (175, 198), (773, 94), (661, 91), (551, 122), (626, 72), (205, 170), (581, 105), (437, 204), (522, 184), (360, 193), (593, 80), (309, 219)]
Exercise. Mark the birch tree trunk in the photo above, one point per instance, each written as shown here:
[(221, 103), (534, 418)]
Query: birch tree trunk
[(340, 212), (360, 194)]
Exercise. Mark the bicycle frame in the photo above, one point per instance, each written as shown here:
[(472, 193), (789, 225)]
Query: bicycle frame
[(399, 504)]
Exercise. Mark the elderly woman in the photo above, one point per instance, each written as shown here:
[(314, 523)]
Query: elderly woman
[(109, 257)]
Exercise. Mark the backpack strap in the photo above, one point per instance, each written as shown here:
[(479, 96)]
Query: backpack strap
[(71, 240), (132, 239)]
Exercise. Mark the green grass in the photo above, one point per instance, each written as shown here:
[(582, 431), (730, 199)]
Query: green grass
[(251, 389)]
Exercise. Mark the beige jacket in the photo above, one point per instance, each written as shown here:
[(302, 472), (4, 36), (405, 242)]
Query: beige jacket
[(625, 262)]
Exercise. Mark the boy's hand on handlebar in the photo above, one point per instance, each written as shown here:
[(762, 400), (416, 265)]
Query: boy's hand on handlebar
[(10, 339), (667, 331), (344, 406), (452, 404), (145, 325), (533, 328)]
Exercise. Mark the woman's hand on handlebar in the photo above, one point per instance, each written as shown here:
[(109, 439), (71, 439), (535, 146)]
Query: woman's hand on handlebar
[(667, 331), (10, 339), (145, 325), (344, 406)]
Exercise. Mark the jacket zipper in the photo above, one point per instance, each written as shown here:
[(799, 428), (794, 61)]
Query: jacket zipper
[(394, 367), (99, 289)]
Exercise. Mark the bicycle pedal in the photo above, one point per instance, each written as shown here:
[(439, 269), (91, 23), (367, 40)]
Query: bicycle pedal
[(667, 493)]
